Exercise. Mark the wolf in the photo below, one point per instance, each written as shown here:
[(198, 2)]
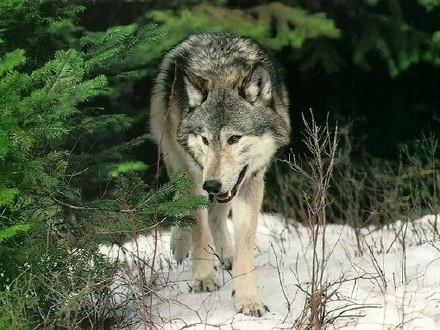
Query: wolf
[(219, 112)]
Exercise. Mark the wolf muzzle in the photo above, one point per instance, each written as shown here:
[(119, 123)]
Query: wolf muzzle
[(214, 187)]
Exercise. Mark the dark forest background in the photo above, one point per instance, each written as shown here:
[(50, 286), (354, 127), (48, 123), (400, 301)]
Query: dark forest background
[(373, 61), (78, 168)]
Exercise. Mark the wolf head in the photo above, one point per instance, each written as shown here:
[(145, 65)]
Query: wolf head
[(233, 108)]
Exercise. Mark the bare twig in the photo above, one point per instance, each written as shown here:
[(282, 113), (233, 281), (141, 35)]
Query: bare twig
[(318, 171)]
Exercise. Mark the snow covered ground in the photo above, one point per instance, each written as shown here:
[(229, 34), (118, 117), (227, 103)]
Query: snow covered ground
[(386, 278)]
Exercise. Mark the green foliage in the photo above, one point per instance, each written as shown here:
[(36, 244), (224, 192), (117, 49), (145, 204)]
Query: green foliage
[(393, 39), (12, 231), (63, 89), (274, 24), (136, 207), (321, 33), (72, 288), (7, 196), (119, 46), (173, 197), (292, 26), (91, 124), (429, 4), (388, 30), (126, 167), (43, 18), (40, 109), (62, 179), (12, 60)]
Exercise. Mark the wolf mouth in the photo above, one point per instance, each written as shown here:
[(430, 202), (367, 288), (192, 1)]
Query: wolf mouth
[(227, 197)]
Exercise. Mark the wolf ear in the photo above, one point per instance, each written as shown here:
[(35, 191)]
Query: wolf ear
[(257, 85), (196, 89)]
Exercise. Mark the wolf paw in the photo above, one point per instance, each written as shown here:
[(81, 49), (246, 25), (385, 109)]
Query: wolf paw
[(180, 243), (206, 285), (252, 306)]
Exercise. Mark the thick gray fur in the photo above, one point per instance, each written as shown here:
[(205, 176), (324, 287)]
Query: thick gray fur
[(219, 112)]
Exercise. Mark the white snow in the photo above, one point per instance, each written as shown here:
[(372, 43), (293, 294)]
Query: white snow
[(387, 278)]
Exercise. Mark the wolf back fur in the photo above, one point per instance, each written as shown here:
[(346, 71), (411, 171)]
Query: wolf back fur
[(219, 112)]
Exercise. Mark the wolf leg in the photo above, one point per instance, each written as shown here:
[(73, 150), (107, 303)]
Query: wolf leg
[(202, 255), (219, 230), (180, 243), (245, 211)]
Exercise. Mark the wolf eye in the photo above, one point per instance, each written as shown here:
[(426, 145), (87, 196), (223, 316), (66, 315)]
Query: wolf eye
[(205, 140), (234, 139)]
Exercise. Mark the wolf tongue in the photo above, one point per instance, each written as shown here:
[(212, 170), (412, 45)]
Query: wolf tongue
[(224, 196)]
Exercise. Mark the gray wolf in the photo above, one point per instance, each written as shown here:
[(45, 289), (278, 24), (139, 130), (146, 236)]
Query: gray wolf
[(219, 112)]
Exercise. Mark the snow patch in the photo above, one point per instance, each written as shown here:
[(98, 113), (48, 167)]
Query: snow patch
[(385, 278)]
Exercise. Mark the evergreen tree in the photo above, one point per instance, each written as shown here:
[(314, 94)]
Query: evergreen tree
[(62, 181)]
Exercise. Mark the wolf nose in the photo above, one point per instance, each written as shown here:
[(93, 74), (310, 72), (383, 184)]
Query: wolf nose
[(212, 186)]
